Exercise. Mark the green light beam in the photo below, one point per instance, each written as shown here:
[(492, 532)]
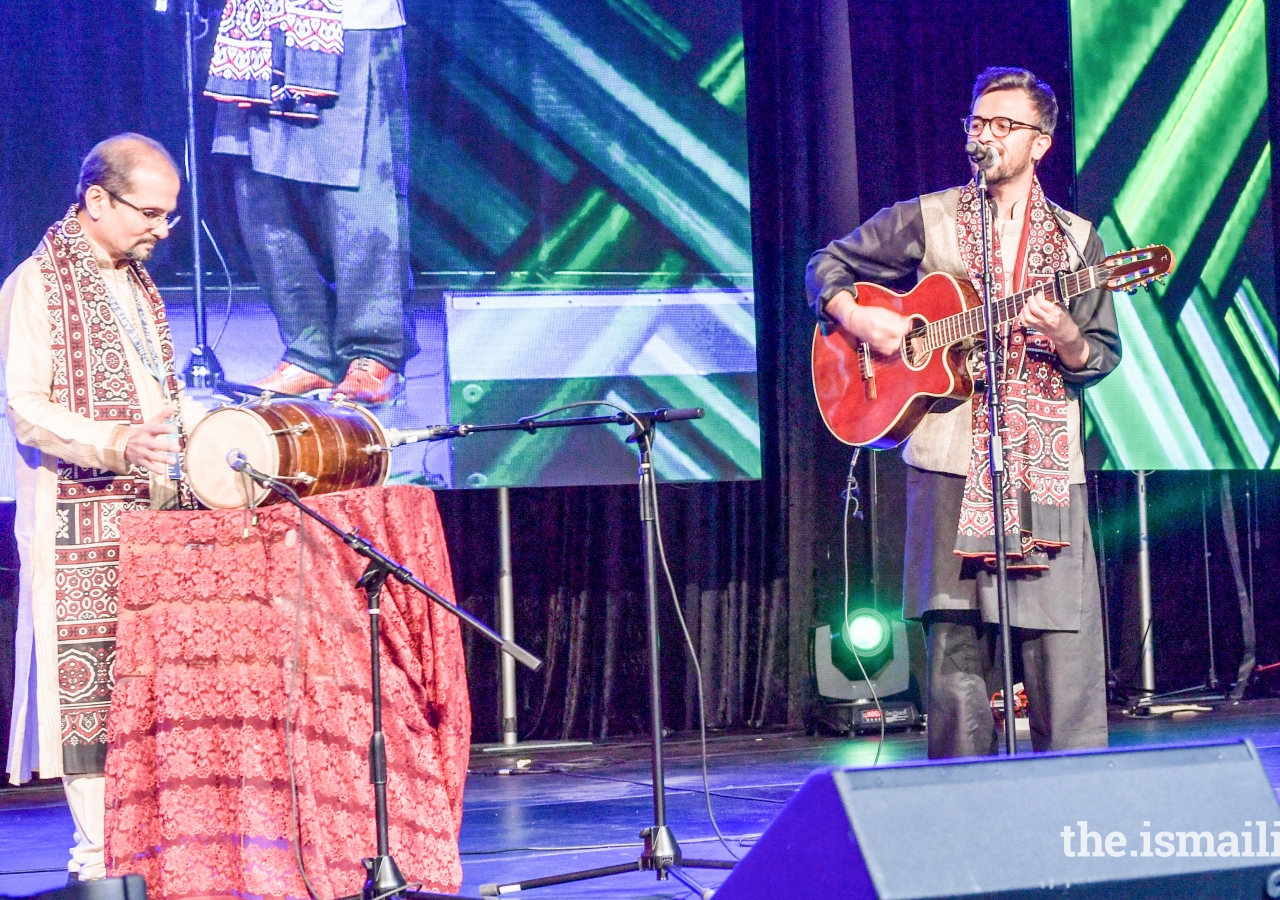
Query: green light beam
[(669, 39), (634, 100), (1222, 381)]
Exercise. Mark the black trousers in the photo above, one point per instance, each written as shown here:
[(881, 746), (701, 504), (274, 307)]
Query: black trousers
[(1062, 672)]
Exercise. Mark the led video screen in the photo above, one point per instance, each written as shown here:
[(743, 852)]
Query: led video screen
[(573, 196), (579, 229), (1173, 147)]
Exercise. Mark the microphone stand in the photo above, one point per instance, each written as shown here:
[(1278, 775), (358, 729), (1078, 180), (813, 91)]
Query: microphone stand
[(203, 371), (383, 879), (995, 458), (661, 853)]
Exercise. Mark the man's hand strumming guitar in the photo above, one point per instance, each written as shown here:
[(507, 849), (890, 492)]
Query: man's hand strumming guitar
[(882, 328)]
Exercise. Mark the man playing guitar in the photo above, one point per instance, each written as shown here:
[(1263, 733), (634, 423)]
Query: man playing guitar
[(1049, 355)]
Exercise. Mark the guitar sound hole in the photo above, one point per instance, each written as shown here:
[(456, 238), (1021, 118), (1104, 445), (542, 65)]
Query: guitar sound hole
[(915, 352)]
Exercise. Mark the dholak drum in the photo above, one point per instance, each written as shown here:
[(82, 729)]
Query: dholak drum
[(314, 446)]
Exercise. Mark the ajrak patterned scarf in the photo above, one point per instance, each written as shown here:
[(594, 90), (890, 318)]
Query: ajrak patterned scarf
[(1034, 425), (282, 55), (91, 377)]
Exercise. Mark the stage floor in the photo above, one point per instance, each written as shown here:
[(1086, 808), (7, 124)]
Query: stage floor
[(583, 807)]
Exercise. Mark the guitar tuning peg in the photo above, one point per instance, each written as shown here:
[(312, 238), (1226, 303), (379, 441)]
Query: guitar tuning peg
[(1132, 292)]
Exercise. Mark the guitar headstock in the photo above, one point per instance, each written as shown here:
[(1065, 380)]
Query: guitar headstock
[(1132, 269)]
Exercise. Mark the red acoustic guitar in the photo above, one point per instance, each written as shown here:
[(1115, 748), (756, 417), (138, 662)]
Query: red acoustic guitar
[(871, 400)]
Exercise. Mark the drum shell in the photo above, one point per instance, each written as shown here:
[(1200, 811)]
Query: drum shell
[(311, 439)]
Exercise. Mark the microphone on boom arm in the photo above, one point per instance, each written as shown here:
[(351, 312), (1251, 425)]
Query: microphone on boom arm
[(984, 156), (240, 463)]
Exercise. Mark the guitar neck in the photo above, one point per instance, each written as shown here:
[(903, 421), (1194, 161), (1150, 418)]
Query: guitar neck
[(970, 323)]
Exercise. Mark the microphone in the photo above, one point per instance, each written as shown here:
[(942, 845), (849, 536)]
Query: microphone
[(984, 156), (240, 463), (397, 437), (237, 460), (662, 414)]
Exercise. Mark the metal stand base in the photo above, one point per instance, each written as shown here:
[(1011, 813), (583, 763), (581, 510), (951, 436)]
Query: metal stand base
[(676, 871), (203, 371)]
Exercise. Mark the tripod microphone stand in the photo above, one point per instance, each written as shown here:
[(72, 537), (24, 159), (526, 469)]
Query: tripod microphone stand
[(661, 853), (383, 877)]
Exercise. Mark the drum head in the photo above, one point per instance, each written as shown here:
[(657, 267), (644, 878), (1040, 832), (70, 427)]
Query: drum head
[(218, 434)]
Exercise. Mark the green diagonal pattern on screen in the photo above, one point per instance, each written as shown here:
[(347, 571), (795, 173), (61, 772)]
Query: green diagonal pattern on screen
[(662, 33), (586, 235), (1130, 411), (1261, 328), (726, 77), (1183, 167), (1257, 362), (1197, 387), (1117, 64), (1246, 209), (1244, 418)]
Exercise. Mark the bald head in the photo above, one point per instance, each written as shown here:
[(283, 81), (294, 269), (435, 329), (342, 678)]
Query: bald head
[(113, 163)]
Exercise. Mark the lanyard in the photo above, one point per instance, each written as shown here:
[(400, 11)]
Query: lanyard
[(147, 351)]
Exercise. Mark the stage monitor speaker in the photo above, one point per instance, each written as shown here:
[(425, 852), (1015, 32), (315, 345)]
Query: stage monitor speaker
[(1191, 821)]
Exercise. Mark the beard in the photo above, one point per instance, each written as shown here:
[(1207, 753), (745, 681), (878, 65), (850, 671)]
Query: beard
[(141, 251), (1011, 166)]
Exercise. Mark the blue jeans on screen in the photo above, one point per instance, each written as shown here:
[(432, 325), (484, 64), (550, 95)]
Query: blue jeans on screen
[(331, 256)]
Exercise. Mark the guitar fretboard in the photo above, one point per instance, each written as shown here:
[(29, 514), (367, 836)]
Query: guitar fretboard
[(944, 332)]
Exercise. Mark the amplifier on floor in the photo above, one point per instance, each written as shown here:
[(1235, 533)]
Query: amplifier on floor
[(1200, 820)]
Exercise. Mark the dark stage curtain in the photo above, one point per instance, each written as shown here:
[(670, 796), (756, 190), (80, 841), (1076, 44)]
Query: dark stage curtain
[(914, 66), (580, 605)]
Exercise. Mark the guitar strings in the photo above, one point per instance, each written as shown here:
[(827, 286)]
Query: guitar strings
[(970, 322)]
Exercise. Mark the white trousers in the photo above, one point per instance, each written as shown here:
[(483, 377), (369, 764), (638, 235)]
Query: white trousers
[(86, 795)]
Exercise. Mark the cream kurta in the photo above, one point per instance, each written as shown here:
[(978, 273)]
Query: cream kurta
[(46, 432)]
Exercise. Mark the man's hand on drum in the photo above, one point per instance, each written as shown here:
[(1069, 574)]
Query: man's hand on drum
[(148, 445), (882, 328)]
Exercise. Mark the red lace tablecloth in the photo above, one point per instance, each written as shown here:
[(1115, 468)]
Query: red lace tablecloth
[(198, 787)]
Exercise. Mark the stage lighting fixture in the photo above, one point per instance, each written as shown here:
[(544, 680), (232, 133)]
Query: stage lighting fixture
[(867, 638), (835, 662)]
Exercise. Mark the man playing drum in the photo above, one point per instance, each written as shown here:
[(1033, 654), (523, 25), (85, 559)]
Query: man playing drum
[(98, 416)]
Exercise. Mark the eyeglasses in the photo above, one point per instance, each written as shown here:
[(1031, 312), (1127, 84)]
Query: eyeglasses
[(1000, 125), (153, 216)]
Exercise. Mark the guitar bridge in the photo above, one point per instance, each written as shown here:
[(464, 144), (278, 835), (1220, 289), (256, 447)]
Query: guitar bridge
[(866, 370)]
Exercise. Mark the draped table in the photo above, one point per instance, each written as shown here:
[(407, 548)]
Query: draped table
[(199, 798)]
